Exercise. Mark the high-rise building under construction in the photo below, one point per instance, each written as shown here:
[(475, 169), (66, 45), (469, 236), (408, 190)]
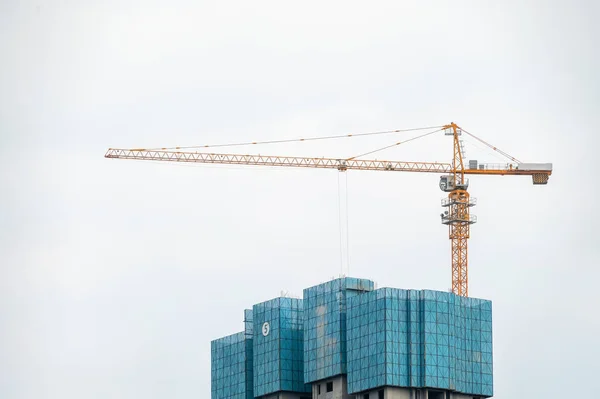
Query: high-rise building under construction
[(346, 339)]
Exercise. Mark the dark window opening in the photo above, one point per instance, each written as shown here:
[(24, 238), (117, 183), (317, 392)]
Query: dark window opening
[(380, 393), (330, 386), (366, 396), (318, 389)]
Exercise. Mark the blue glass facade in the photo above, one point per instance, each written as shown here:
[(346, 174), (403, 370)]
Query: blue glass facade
[(419, 339), (278, 347), (325, 326)]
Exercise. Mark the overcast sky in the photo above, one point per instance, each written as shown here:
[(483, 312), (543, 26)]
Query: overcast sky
[(116, 275)]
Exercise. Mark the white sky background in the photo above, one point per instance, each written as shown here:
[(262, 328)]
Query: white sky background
[(116, 275)]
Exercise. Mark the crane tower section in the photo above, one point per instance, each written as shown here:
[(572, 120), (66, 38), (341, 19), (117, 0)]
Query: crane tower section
[(457, 214)]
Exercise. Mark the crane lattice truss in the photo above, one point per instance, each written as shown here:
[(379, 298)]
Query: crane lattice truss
[(458, 203)]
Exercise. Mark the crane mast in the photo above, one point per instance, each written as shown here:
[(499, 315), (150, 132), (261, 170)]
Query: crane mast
[(457, 216), (457, 205)]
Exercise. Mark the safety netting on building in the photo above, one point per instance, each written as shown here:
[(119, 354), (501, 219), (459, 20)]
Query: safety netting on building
[(325, 326), (409, 338), (278, 347), (231, 367)]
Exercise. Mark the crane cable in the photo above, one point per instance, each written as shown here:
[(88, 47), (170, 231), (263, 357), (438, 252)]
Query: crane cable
[(340, 223), (293, 140), (347, 229), (343, 213), (393, 145), (492, 147)]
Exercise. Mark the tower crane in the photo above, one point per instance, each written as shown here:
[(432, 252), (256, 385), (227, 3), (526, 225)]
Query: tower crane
[(457, 205)]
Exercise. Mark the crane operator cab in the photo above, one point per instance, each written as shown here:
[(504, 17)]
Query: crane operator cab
[(448, 184)]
